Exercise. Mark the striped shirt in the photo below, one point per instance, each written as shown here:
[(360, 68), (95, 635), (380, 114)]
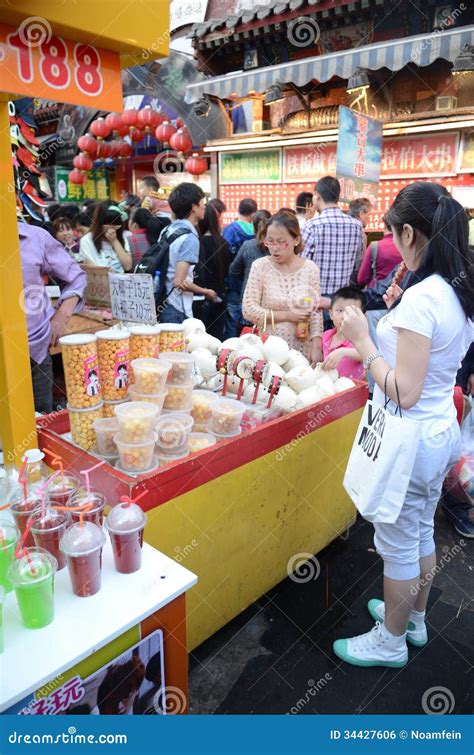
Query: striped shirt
[(333, 240)]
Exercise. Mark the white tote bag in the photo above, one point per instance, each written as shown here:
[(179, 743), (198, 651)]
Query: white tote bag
[(381, 463)]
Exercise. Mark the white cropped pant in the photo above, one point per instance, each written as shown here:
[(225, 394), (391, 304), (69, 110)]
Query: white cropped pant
[(404, 542)]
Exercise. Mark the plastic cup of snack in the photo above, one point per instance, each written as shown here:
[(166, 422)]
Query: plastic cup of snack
[(227, 415), (200, 441), (82, 425), (135, 457), (125, 524), (81, 369), (9, 537), (105, 428), (153, 466), (21, 510), (154, 398), (97, 501), (136, 420), (227, 436), (32, 578), (169, 458), (179, 398), (113, 348), (62, 487), (82, 546), (108, 410), (3, 595), (144, 341), (150, 374), (172, 433), (182, 367), (201, 411), (48, 528), (171, 337)]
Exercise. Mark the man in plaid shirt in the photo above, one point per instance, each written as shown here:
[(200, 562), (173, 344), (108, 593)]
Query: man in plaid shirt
[(332, 239)]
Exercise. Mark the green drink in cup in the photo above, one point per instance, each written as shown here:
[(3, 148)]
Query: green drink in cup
[(32, 577), (3, 595), (9, 537)]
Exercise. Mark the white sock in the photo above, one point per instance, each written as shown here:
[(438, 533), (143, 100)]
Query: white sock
[(418, 618), (395, 638)]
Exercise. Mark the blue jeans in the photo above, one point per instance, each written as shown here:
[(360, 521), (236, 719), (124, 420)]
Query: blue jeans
[(172, 315), (232, 319)]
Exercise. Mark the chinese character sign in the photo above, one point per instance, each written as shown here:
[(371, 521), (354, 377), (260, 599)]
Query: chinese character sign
[(263, 166), (359, 153), (132, 298)]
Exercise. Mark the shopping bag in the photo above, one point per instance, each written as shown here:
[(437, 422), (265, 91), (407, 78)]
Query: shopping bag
[(381, 463), (255, 330)]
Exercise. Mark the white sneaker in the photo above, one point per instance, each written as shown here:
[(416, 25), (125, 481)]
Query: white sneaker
[(417, 636), (375, 648)]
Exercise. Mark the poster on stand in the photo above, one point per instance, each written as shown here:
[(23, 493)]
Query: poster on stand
[(133, 683), (359, 154)]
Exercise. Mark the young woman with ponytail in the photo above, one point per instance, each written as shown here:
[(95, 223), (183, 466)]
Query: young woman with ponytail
[(422, 341)]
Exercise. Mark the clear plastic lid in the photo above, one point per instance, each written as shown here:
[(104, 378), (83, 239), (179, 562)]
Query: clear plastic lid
[(177, 356), (82, 539), (35, 567), (169, 327), (33, 455), (125, 518), (50, 519), (82, 497), (77, 339), (113, 335), (144, 330), (63, 483)]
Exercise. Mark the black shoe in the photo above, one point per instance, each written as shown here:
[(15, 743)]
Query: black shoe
[(459, 516)]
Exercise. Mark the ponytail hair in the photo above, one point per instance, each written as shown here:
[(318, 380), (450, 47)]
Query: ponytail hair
[(442, 221), (149, 223)]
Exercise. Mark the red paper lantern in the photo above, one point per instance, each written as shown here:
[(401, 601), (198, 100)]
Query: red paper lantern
[(123, 130), (125, 149), (114, 121), (104, 149), (161, 118), (76, 177), (136, 135), (88, 144), (195, 165), (130, 117), (100, 129), (179, 123), (165, 131), (147, 118), (181, 141), (82, 162), (115, 148)]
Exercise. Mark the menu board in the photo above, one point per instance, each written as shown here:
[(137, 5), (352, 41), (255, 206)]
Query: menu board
[(132, 298)]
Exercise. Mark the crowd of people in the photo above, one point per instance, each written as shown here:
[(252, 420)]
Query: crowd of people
[(398, 311)]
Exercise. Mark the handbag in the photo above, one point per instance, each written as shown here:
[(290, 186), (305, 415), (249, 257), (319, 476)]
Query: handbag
[(381, 461), (256, 330)]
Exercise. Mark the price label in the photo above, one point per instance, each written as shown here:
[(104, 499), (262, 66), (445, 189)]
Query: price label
[(38, 63), (132, 298)]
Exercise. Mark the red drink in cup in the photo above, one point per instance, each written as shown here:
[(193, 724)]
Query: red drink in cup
[(82, 545), (21, 510), (48, 528), (125, 523), (97, 501), (62, 487)]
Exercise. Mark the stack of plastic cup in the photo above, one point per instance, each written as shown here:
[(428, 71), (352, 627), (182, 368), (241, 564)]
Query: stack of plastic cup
[(125, 523), (21, 509), (95, 513), (179, 383), (172, 434), (32, 577), (105, 429), (82, 545), (136, 440), (226, 416), (150, 380), (48, 527), (9, 537)]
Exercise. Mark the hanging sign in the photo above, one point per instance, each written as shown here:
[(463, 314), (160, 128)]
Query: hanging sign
[(35, 62), (262, 165), (132, 298), (96, 187), (359, 154)]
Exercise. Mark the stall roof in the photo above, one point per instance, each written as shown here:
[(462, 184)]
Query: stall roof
[(394, 55)]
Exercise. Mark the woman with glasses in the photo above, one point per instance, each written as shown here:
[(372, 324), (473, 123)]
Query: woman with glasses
[(283, 288)]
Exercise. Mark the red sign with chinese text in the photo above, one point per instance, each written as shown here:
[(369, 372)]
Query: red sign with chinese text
[(36, 63)]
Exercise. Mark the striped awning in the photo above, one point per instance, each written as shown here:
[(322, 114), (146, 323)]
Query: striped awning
[(395, 54)]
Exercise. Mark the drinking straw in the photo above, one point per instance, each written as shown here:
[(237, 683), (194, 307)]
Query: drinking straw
[(128, 501), (83, 509), (21, 550), (86, 473), (3, 541), (23, 480), (56, 460)]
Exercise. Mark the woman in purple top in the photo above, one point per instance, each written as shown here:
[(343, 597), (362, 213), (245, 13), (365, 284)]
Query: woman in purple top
[(41, 255), (388, 257)]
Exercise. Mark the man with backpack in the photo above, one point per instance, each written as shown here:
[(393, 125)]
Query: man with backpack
[(172, 259)]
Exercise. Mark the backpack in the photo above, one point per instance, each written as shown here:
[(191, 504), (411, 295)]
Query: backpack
[(156, 260)]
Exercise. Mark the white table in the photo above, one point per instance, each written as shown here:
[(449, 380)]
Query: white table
[(32, 657)]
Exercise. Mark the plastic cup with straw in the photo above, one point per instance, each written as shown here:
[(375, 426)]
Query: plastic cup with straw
[(82, 547), (125, 524), (9, 537)]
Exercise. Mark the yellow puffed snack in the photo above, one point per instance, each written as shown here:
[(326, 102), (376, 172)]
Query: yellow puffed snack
[(144, 341), (171, 337), (81, 370), (113, 347), (82, 425)]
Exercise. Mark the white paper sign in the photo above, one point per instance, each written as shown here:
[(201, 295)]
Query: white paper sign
[(132, 298), (187, 12)]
